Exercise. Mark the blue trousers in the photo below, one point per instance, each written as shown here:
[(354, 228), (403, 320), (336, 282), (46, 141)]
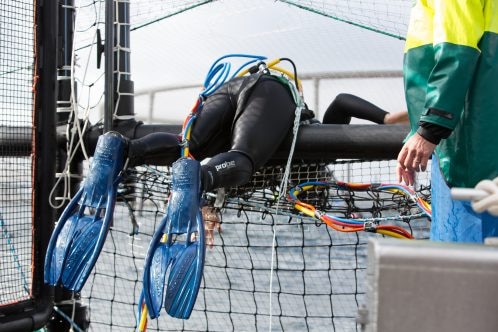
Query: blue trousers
[(455, 221)]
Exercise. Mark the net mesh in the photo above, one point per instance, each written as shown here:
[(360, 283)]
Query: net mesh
[(142, 13), (16, 118), (386, 17), (318, 273)]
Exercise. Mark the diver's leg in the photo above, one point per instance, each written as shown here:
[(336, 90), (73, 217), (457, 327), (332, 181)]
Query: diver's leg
[(345, 106), (211, 129), (210, 135), (227, 169), (154, 149), (261, 127)]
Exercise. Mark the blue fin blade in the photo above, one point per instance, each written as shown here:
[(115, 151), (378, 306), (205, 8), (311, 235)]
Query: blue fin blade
[(54, 265), (185, 276), (78, 258), (158, 268), (156, 264), (163, 256), (60, 242)]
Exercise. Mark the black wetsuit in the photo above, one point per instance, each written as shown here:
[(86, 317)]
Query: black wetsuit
[(345, 106), (240, 127)]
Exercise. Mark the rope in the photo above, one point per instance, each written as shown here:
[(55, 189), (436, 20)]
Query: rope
[(285, 179), (484, 197), (75, 130)]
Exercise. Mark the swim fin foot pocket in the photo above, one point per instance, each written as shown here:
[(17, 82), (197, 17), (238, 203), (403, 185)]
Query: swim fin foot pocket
[(79, 236), (177, 247)]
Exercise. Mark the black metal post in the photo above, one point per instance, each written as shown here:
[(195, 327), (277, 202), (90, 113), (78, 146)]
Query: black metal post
[(65, 33), (45, 138), (122, 74), (109, 65)]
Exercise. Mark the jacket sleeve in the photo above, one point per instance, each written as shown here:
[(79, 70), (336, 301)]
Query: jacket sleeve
[(458, 25)]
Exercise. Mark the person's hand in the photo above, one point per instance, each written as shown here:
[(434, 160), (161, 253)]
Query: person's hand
[(211, 222), (413, 157), (397, 117)]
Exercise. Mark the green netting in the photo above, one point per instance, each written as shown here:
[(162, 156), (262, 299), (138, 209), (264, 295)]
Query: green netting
[(159, 10), (142, 13), (386, 17)]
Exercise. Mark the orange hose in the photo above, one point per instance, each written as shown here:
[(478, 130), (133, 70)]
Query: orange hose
[(327, 220)]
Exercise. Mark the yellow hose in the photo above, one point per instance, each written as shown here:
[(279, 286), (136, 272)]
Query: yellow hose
[(390, 233), (143, 319)]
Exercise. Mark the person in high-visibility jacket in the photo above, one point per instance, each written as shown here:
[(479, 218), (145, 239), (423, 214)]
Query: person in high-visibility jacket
[(451, 87)]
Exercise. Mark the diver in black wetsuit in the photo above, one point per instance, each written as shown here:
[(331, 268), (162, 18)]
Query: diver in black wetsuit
[(240, 126), (346, 106)]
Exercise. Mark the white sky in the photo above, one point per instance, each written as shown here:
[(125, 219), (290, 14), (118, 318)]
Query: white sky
[(180, 50)]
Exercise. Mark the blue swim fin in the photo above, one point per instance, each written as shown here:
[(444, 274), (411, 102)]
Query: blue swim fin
[(79, 235), (177, 247)]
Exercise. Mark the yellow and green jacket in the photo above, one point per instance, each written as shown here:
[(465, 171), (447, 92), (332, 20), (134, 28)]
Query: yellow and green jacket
[(451, 80)]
